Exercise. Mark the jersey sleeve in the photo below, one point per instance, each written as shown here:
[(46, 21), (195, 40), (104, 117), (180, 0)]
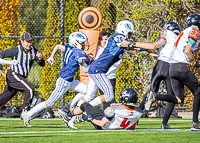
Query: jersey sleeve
[(163, 36), (119, 39), (194, 34), (82, 57)]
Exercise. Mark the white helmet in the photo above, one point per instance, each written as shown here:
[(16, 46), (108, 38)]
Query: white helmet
[(77, 39), (124, 27)]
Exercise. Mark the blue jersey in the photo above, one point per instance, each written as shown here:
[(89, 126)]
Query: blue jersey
[(111, 54), (72, 59)]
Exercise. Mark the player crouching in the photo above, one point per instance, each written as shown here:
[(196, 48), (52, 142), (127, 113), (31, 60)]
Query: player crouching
[(122, 115)]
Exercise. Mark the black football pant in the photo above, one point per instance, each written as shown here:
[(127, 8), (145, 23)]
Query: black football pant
[(181, 75), (15, 83), (95, 112), (161, 72)]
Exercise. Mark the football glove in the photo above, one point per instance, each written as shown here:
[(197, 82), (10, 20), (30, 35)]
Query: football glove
[(14, 62), (197, 65), (131, 45), (87, 118), (50, 60)]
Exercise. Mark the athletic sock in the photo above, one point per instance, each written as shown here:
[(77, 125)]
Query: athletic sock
[(36, 109), (167, 97), (95, 102), (77, 97), (196, 108), (167, 113), (80, 103)]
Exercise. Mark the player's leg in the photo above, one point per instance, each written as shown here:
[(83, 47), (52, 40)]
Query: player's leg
[(81, 89), (105, 85), (91, 91), (61, 87), (190, 80), (107, 104), (160, 71), (169, 107)]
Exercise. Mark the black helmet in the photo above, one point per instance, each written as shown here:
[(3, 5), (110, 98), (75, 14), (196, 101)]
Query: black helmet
[(128, 97), (172, 26), (193, 19)]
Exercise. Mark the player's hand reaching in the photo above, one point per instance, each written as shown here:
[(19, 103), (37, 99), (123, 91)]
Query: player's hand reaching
[(50, 60)]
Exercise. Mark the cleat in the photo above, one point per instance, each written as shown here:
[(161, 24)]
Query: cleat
[(26, 118), (63, 114), (164, 127), (70, 124), (150, 99), (79, 118), (195, 126)]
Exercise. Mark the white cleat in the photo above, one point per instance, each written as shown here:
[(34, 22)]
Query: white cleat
[(70, 124), (151, 97), (26, 118)]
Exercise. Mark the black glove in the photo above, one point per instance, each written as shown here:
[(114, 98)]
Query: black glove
[(197, 65), (131, 45), (87, 118)]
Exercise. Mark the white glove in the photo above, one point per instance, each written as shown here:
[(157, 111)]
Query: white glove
[(14, 62), (50, 60)]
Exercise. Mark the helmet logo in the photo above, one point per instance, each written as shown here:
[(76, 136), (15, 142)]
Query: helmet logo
[(128, 26), (80, 36)]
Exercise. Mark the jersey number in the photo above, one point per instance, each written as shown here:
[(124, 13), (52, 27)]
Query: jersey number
[(125, 124), (67, 55)]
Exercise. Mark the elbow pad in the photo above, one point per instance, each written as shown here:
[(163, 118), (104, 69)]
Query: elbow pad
[(191, 41), (131, 45)]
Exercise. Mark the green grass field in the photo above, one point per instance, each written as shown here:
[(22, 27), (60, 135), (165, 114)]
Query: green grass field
[(54, 131)]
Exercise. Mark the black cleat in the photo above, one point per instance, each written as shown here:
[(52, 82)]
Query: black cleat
[(164, 127)]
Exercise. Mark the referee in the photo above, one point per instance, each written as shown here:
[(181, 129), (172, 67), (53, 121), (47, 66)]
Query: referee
[(16, 76)]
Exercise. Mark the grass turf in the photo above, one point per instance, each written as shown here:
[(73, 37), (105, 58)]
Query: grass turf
[(50, 131)]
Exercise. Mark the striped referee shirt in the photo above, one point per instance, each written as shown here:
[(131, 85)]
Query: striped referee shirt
[(24, 58)]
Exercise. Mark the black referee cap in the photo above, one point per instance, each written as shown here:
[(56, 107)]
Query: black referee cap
[(27, 36)]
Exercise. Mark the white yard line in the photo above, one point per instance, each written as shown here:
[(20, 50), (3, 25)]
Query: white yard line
[(171, 120), (75, 131)]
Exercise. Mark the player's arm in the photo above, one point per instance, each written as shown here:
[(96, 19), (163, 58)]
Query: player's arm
[(149, 46), (7, 54), (188, 50), (100, 123), (7, 62), (57, 47)]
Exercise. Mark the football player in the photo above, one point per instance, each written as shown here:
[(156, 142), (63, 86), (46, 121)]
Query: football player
[(186, 43), (165, 47), (74, 57), (115, 48), (122, 115)]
